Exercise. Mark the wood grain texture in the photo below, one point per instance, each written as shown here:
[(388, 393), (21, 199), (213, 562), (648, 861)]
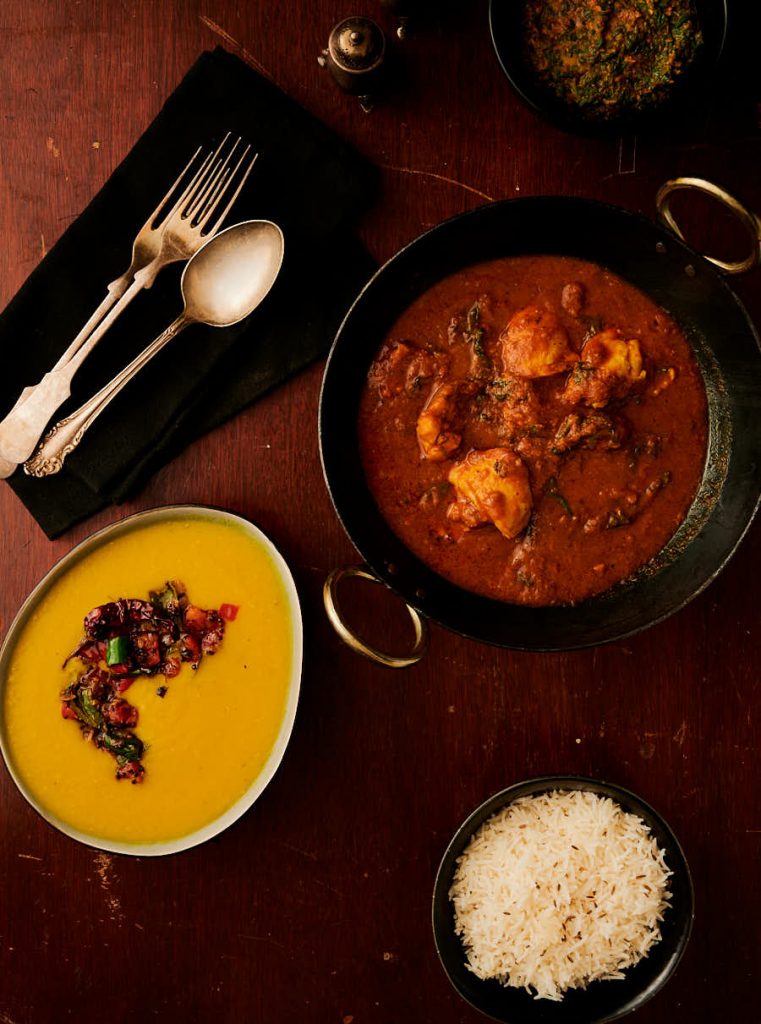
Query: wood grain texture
[(316, 905)]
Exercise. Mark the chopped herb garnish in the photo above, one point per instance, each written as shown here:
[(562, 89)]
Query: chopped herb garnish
[(656, 485), (617, 518), (524, 579), (474, 333), (89, 712), (580, 371), (434, 495), (500, 389), (477, 340), (551, 490), (650, 445), (595, 324)]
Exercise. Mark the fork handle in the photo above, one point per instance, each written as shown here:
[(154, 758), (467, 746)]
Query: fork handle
[(114, 292), (24, 425), (68, 432)]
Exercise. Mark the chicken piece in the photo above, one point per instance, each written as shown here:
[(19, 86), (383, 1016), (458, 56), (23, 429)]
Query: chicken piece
[(492, 486), (535, 344), (403, 367), (516, 404), (423, 367), (593, 431), (610, 367), (387, 373), (573, 297), (439, 424)]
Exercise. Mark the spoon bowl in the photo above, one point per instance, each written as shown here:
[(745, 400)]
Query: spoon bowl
[(232, 273)]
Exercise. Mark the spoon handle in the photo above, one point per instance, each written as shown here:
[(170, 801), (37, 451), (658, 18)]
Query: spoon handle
[(67, 433), (23, 426)]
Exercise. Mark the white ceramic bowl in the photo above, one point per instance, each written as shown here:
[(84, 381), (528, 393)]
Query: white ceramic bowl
[(82, 550)]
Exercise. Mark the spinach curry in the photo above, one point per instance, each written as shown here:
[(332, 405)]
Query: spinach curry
[(607, 58)]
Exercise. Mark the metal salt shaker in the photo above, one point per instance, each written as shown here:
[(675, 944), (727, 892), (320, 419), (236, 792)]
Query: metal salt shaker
[(355, 57)]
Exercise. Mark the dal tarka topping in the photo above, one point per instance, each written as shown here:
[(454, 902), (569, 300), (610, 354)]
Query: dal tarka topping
[(128, 638)]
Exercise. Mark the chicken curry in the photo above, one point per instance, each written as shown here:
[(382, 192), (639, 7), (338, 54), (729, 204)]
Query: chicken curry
[(534, 429)]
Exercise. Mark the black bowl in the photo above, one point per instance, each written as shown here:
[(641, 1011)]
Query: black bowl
[(676, 278), (602, 1000), (687, 98)]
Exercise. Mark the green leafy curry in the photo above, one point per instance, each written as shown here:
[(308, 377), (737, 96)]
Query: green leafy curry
[(608, 58)]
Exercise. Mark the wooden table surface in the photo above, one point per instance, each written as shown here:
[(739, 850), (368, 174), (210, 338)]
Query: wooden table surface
[(316, 905)]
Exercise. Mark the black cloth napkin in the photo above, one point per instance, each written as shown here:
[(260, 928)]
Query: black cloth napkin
[(306, 179)]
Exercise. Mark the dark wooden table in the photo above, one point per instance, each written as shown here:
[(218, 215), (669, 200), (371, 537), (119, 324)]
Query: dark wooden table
[(316, 905)]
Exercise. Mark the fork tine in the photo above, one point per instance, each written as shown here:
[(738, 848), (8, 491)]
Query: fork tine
[(213, 230), (210, 184), (200, 183), (208, 209), (204, 212), (186, 191), (201, 214), (172, 187)]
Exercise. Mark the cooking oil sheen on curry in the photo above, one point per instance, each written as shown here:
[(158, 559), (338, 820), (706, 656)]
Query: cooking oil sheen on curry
[(204, 734), (534, 429)]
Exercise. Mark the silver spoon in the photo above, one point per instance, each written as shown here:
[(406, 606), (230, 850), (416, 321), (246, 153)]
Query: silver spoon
[(222, 284)]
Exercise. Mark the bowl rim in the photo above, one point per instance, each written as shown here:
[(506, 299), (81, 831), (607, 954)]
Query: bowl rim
[(80, 551), (630, 803)]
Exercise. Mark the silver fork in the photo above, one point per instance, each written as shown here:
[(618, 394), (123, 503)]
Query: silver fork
[(145, 248), (195, 216)]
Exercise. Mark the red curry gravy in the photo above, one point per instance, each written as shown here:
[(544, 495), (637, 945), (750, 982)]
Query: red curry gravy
[(534, 429)]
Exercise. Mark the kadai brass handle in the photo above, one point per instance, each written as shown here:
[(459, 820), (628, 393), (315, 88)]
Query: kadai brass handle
[(749, 220), (330, 599)]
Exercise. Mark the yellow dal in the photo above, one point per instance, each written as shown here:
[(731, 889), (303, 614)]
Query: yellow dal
[(208, 738)]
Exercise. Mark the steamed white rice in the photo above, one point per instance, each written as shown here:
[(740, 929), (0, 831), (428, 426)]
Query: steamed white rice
[(558, 890)]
